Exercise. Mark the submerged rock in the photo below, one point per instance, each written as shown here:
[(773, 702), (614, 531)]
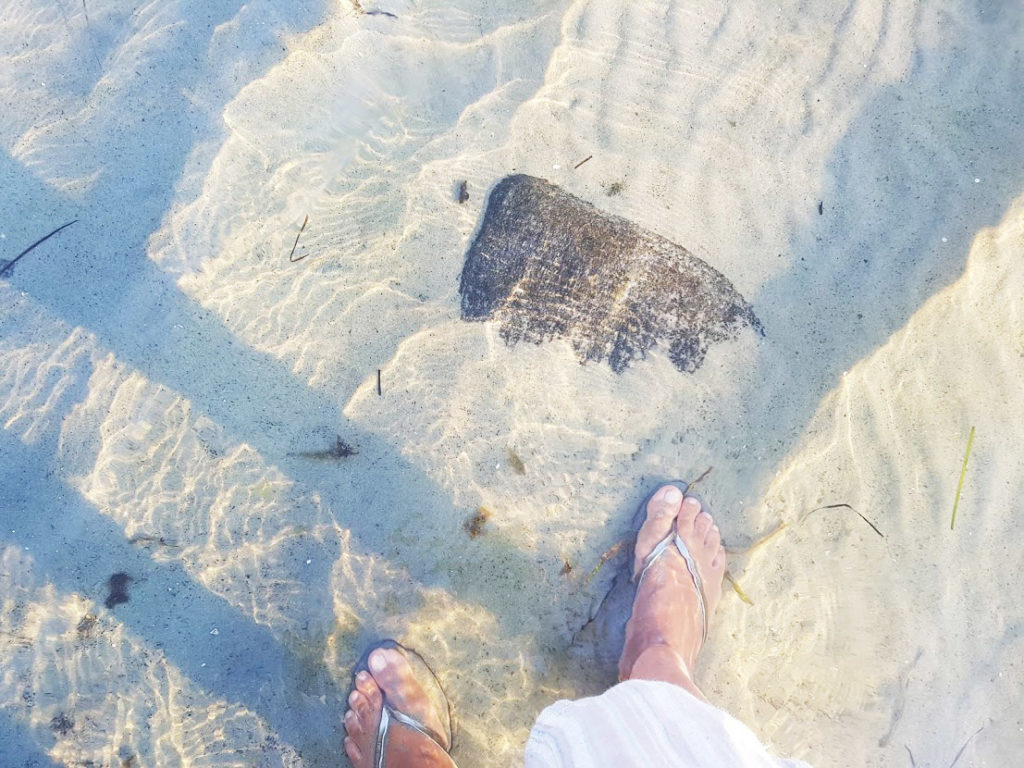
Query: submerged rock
[(546, 264)]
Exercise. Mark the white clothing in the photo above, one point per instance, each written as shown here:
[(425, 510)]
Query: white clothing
[(644, 723)]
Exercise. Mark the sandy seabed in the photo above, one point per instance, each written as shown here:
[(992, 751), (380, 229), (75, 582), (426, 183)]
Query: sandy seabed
[(171, 384)]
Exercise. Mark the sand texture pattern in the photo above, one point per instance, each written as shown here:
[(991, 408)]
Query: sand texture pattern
[(245, 428)]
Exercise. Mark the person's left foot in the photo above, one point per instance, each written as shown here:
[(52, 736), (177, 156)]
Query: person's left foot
[(391, 675)]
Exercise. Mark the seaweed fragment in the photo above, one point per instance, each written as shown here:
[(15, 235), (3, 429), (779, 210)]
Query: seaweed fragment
[(10, 264), (340, 450), (960, 484), (117, 589), (737, 588), (86, 625), (296, 243), (516, 463), (474, 525)]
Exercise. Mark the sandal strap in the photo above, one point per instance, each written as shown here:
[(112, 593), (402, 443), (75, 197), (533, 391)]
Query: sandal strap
[(660, 549), (389, 714), (691, 566)]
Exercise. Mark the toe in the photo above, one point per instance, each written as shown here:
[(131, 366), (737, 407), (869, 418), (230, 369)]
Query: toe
[(701, 525), (354, 755), (662, 509), (361, 706), (688, 513), (353, 725), (366, 685), (388, 667), (718, 561), (713, 538)]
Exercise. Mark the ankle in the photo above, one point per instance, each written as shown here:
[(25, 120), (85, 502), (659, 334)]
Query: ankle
[(660, 662)]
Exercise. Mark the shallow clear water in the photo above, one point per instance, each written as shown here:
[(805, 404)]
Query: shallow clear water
[(172, 384)]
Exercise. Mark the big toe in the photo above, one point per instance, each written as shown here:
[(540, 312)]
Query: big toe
[(396, 678), (391, 672), (662, 509)]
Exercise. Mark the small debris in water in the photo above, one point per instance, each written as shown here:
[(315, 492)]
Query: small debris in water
[(62, 724), (117, 586), (296, 243), (516, 463), (581, 162), (341, 450), (9, 265), (462, 191), (474, 526), (86, 625)]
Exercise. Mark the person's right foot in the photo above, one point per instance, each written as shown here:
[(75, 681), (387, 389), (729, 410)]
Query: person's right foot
[(664, 633)]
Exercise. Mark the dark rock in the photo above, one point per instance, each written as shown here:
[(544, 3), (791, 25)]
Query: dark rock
[(546, 264)]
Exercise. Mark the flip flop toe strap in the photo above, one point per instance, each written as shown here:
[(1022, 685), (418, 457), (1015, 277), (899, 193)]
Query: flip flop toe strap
[(390, 714), (660, 549), (691, 566)]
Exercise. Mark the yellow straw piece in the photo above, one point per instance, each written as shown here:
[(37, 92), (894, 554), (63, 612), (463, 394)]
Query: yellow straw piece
[(960, 485)]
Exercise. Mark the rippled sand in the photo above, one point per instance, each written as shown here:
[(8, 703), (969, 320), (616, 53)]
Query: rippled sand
[(173, 386)]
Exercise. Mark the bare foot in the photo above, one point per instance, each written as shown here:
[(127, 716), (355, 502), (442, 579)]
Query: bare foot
[(390, 675), (664, 633)]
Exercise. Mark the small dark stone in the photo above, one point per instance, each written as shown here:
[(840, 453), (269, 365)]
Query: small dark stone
[(821, 208), (461, 191), (546, 264), (118, 589), (62, 724)]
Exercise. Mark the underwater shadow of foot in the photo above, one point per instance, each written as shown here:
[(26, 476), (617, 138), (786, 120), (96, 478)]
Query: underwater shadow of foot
[(546, 264)]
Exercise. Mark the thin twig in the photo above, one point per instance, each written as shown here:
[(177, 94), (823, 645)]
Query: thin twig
[(913, 762), (703, 474), (969, 738), (581, 162), (751, 547), (296, 243), (379, 392), (10, 265), (846, 506), (960, 485)]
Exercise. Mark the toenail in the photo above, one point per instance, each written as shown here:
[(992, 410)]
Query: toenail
[(672, 495), (362, 677), (377, 662), (353, 698), (692, 501), (350, 716)]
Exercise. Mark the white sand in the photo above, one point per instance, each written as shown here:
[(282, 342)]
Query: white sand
[(163, 366)]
